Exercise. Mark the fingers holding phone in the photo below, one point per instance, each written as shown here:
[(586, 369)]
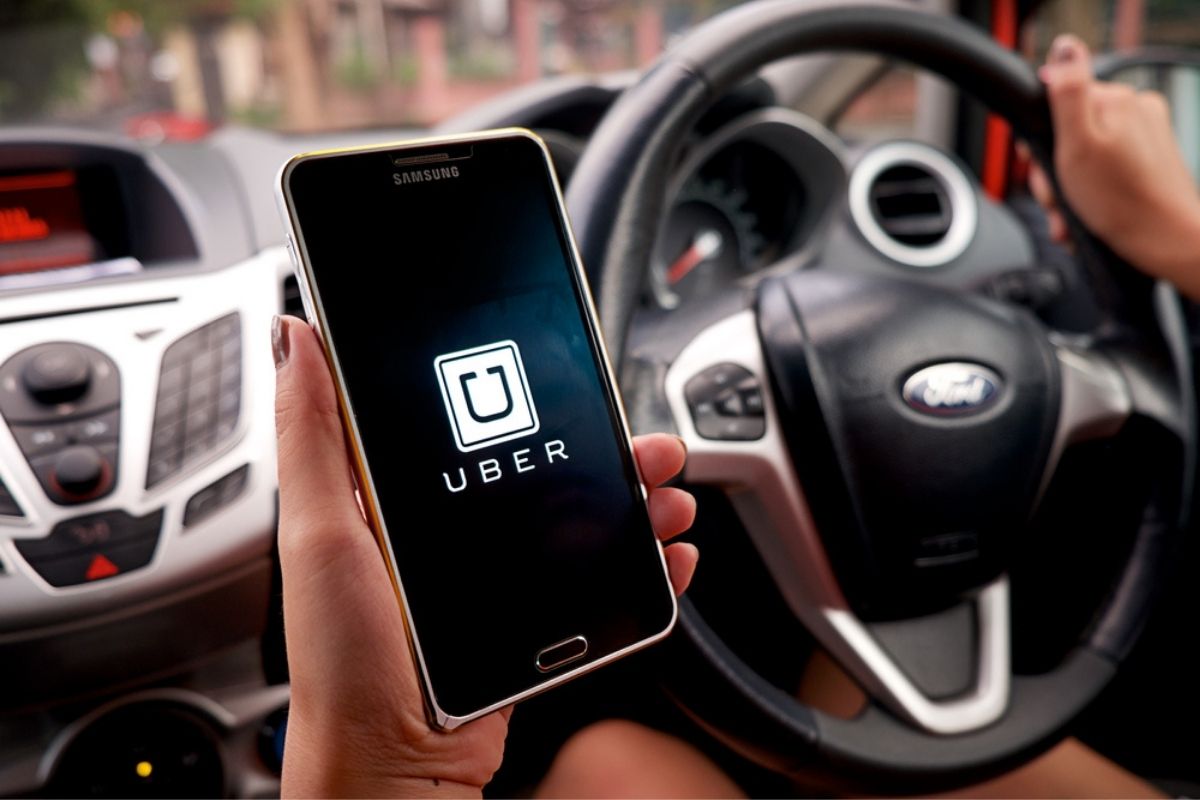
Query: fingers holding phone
[(357, 728)]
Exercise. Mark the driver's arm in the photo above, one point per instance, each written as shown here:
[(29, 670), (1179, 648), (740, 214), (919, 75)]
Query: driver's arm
[(1120, 169)]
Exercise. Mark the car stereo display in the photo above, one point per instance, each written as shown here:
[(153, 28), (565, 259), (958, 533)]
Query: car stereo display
[(42, 223)]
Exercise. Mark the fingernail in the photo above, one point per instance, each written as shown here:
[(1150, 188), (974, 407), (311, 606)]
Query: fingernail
[(682, 443), (279, 341), (1063, 51)]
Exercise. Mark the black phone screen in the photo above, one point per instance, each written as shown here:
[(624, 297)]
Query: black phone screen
[(508, 494)]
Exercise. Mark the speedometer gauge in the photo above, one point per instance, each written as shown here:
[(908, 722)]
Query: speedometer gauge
[(710, 239)]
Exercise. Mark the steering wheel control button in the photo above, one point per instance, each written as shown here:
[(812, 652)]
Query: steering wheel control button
[(93, 547), (216, 495), (729, 403), (199, 398), (57, 375), (726, 403), (561, 653), (8, 504)]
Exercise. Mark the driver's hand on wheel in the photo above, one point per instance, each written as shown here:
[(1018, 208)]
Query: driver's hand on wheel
[(356, 724), (1120, 169)]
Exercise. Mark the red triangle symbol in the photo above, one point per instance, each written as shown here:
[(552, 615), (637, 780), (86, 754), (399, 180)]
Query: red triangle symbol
[(101, 567)]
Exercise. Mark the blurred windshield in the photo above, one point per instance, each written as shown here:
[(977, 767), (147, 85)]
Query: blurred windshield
[(176, 68)]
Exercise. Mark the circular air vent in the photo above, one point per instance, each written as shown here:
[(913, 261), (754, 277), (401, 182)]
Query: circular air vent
[(913, 204)]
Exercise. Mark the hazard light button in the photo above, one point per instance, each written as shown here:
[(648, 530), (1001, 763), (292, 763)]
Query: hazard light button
[(101, 567), (93, 548)]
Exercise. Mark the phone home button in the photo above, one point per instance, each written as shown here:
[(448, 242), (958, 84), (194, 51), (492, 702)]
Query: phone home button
[(560, 653)]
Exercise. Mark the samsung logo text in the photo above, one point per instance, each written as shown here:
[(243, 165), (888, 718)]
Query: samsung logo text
[(424, 175)]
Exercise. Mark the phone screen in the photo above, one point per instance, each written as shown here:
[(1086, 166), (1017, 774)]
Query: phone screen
[(454, 311)]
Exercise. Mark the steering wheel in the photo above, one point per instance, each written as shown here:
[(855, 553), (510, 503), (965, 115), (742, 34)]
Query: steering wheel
[(907, 435)]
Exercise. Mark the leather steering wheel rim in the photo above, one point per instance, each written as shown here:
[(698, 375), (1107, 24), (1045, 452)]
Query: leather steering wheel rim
[(616, 200)]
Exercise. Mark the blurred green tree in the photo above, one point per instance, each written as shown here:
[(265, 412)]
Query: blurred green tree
[(42, 55)]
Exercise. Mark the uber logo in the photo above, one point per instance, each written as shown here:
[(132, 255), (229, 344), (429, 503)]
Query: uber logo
[(487, 395)]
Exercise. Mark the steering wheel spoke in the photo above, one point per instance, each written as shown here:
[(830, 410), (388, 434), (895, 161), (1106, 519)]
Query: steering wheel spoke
[(762, 485), (1094, 401)]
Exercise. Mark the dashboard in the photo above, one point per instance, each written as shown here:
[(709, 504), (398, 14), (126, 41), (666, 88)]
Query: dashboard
[(138, 590), (137, 477)]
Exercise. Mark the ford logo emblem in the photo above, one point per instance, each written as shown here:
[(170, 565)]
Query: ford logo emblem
[(953, 389)]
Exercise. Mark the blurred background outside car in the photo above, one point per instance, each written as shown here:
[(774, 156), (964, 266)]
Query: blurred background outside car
[(175, 69)]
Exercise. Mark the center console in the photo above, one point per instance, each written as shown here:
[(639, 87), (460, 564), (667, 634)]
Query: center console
[(137, 479)]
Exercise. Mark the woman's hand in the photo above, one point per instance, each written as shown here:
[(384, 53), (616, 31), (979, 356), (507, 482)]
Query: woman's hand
[(356, 723), (1120, 169)]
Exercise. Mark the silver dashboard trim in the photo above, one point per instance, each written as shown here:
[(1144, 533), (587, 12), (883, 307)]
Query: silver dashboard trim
[(1095, 402)]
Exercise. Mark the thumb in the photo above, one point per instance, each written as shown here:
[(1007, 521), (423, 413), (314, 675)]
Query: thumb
[(1068, 78), (316, 490)]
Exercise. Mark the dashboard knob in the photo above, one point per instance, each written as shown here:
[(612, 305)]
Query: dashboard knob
[(58, 375), (79, 471)]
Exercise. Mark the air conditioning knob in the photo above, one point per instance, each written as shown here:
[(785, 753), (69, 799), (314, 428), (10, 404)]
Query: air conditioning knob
[(81, 471), (57, 375)]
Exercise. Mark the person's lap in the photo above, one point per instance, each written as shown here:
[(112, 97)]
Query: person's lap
[(622, 759)]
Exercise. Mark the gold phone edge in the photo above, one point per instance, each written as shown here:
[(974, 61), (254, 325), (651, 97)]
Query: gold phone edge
[(436, 716)]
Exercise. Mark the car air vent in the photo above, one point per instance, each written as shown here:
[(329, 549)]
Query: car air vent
[(292, 304), (913, 204)]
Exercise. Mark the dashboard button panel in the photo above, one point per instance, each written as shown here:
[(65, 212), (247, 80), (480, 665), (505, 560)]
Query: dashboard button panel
[(93, 547), (19, 404), (726, 403), (217, 494), (199, 397), (62, 402)]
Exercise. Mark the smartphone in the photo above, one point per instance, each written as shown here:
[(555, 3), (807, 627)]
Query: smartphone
[(492, 453)]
